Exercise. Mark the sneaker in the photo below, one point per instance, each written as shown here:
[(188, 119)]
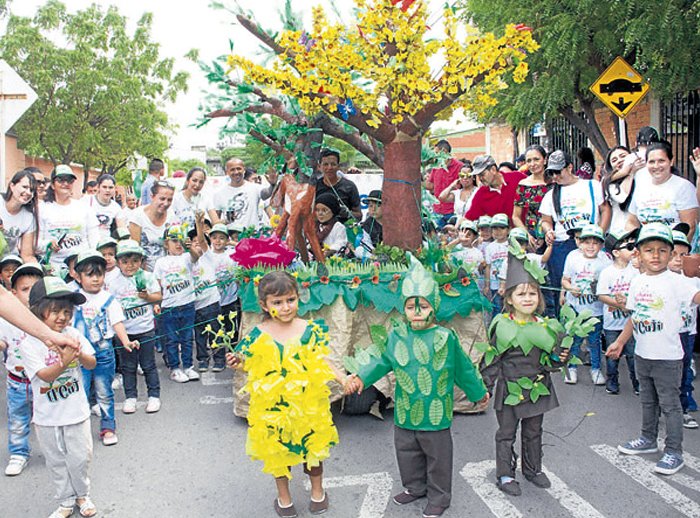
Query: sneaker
[(406, 497), (109, 438), (689, 421), (129, 405), (540, 480), (192, 375), (637, 446), (218, 368), (635, 389), (285, 512), (117, 382), (597, 377), (95, 410), (15, 465), (669, 464), (571, 376), (433, 511), (612, 389), (203, 366), (319, 507), (153, 405), (511, 488), (179, 376)]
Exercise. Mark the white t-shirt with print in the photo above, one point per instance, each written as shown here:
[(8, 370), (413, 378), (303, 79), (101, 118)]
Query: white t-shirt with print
[(576, 205), (105, 214), (13, 337), (655, 302), (497, 257), (662, 202), (689, 312), (584, 274), (14, 226), (239, 204), (151, 237), (110, 276), (138, 314), (175, 275), (183, 211), (225, 270), (337, 238), (63, 401), (91, 309), (615, 281), (204, 276), (74, 224)]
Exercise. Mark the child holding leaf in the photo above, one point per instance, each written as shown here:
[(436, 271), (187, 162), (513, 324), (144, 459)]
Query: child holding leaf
[(523, 352), (428, 361)]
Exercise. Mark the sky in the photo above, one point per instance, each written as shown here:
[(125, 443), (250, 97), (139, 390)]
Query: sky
[(179, 26)]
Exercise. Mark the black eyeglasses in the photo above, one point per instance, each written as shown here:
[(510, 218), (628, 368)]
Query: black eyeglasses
[(41, 182), (65, 179), (627, 246)]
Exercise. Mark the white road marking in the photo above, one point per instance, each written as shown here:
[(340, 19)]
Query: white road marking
[(641, 471), (213, 400), (476, 475), (378, 491), (209, 378), (570, 500)]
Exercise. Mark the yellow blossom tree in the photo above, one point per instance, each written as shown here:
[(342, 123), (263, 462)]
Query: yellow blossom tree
[(376, 76)]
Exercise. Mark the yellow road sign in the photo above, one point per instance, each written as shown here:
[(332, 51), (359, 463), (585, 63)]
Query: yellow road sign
[(620, 87)]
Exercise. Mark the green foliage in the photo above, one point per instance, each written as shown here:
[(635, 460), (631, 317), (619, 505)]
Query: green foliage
[(100, 89), (177, 164), (579, 39)]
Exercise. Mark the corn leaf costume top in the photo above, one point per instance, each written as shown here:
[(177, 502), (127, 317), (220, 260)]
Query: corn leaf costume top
[(289, 420), (427, 364)]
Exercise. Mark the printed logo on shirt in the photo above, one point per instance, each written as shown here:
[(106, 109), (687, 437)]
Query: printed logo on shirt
[(236, 207), (175, 282), (61, 388), (70, 237), (644, 306)]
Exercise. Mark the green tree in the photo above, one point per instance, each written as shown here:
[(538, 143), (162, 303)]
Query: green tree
[(177, 164), (578, 40), (99, 91)]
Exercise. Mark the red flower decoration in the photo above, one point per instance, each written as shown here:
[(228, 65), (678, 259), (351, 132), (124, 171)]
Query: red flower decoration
[(356, 280), (466, 281), (324, 280), (305, 284), (447, 287), (396, 276), (265, 251), (375, 279), (246, 279), (522, 27)]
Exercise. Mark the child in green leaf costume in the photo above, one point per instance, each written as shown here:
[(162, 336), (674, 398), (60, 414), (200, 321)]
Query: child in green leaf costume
[(522, 352), (428, 361)]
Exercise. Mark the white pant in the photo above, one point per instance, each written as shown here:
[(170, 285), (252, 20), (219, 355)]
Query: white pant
[(68, 452)]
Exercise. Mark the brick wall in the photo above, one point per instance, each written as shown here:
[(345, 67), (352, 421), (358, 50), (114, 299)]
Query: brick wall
[(500, 142)]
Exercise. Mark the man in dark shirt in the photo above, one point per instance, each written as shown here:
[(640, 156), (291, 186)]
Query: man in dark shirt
[(373, 224), (343, 189)]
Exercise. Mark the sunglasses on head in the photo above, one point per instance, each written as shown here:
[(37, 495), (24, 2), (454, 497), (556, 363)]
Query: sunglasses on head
[(163, 183), (627, 246)]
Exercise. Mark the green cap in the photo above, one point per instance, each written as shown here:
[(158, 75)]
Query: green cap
[(177, 232), (53, 288), (467, 224), (484, 221), (499, 220), (518, 233), (123, 233), (219, 227), (129, 246), (106, 242), (655, 231), (63, 170), (10, 258), (419, 282), (87, 256), (591, 230), (615, 237), (680, 238), (33, 269)]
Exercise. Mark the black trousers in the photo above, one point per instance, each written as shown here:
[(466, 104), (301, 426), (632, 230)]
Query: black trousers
[(531, 445)]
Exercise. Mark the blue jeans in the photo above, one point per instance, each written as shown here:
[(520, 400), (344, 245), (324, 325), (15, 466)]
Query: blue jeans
[(203, 317), (555, 265), (19, 417), (146, 356), (496, 303), (102, 376), (612, 366), (687, 401), (594, 344), (443, 219), (177, 326)]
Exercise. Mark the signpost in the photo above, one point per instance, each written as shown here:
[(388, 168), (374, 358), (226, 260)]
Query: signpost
[(16, 96), (620, 88)]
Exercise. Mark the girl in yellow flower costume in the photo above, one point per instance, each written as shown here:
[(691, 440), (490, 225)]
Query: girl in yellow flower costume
[(290, 419)]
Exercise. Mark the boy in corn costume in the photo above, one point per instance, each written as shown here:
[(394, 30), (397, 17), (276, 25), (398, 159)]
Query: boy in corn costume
[(427, 361)]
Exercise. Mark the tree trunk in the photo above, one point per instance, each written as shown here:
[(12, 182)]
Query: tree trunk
[(401, 196)]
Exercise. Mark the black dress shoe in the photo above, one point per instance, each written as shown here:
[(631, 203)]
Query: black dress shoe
[(540, 480), (511, 488)]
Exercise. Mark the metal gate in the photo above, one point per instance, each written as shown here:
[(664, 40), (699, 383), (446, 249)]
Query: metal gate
[(680, 125), (560, 134)]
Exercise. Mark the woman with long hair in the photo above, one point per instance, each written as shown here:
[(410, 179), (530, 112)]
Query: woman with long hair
[(530, 193), (148, 222), (618, 184), (19, 212), (103, 205), (189, 200), (460, 191)]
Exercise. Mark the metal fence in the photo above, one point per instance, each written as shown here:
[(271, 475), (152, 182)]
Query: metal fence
[(680, 125), (560, 134)]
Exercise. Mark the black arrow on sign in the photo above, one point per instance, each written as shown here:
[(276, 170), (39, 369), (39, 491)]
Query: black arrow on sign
[(621, 104)]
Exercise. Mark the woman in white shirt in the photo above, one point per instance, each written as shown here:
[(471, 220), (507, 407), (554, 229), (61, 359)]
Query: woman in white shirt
[(65, 224), (460, 192), (148, 222), (619, 184), (331, 232), (19, 213), (103, 205), (188, 201)]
